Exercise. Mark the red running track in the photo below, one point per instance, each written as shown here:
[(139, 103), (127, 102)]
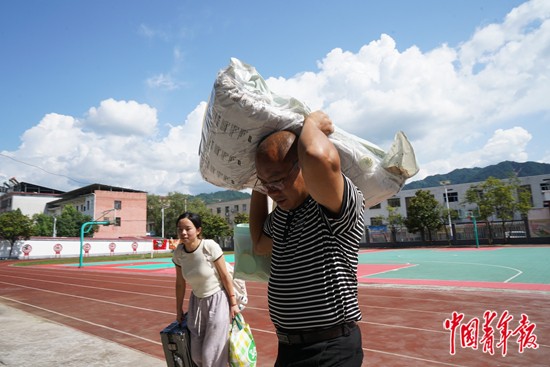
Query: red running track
[(402, 326)]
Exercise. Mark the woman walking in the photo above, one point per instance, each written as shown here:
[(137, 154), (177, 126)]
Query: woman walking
[(212, 303)]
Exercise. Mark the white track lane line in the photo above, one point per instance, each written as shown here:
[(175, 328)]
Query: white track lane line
[(83, 321), (90, 299), (109, 302), (87, 286)]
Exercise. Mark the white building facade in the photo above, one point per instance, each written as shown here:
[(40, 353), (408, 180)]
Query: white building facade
[(538, 186), (229, 209)]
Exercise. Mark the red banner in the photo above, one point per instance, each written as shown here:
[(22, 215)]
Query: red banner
[(160, 244)]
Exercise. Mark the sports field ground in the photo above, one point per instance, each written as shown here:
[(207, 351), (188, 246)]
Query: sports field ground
[(483, 306)]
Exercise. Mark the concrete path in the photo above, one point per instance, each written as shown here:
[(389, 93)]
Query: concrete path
[(27, 340)]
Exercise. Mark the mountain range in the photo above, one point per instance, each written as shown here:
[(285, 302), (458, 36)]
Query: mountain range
[(501, 170)]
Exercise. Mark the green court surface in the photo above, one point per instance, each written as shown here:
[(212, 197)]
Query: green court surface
[(525, 268), (499, 264)]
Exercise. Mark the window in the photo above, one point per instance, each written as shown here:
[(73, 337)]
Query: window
[(453, 197), (236, 208), (244, 208), (545, 186), (218, 210), (117, 221), (117, 205), (377, 206), (394, 202)]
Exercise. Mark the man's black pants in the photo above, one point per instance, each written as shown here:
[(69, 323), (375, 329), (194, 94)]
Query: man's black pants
[(345, 351)]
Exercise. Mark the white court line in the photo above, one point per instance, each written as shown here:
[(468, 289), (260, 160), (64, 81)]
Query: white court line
[(518, 272), (390, 270), (83, 321)]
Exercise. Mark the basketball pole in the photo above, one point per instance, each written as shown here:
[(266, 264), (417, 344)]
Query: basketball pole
[(85, 228)]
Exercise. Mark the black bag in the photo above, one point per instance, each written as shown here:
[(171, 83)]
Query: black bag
[(176, 344)]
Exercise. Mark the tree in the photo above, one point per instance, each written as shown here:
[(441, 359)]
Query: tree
[(42, 225), (500, 199), (214, 226), (175, 204), (14, 226), (241, 218), (524, 200), (423, 214), (70, 221), (395, 222)]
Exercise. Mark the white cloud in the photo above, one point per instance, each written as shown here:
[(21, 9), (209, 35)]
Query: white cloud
[(162, 81), (152, 33), (122, 117), (55, 134), (503, 145), (446, 100), (508, 145), (62, 146), (168, 81)]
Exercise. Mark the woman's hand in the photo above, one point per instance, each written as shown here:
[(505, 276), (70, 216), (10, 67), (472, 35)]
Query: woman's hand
[(179, 316), (234, 310)]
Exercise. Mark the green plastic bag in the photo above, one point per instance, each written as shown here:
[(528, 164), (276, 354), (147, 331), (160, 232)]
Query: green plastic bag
[(249, 266), (242, 348)]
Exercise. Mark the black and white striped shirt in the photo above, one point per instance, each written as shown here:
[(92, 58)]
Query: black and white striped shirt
[(313, 281)]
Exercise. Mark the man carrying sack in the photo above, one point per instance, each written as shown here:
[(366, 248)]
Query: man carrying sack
[(313, 236)]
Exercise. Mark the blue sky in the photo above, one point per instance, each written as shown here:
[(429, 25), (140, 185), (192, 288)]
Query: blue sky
[(113, 92)]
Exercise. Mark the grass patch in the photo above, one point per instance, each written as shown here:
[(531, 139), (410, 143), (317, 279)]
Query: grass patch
[(74, 260)]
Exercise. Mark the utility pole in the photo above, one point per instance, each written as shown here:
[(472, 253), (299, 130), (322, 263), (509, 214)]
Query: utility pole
[(162, 221), (445, 183)]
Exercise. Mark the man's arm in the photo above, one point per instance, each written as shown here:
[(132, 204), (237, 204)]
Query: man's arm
[(320, 162), (258, 214)]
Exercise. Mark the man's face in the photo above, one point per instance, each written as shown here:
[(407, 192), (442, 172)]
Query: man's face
[(283, 183)]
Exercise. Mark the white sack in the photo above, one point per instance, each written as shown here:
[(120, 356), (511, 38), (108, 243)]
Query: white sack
[(242, 110)]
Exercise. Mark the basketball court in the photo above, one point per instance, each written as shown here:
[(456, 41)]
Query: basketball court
[(421, 307)]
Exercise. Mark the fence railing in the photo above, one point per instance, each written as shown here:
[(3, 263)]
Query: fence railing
[(512, 230)]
